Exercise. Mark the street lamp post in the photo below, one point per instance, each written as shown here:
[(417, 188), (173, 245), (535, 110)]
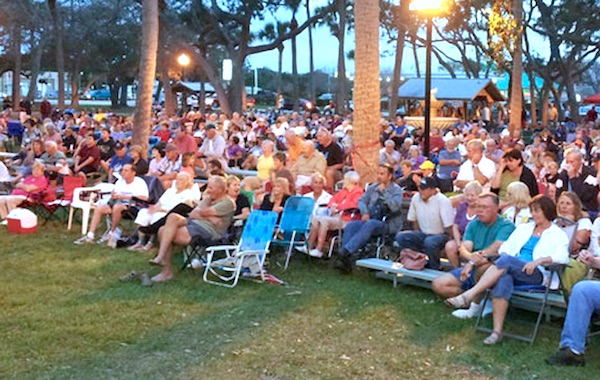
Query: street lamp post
[(429, 8), (184, 61)]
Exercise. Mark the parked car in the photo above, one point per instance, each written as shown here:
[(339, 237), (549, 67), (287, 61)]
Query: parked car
[(102, 94), (303, 105)]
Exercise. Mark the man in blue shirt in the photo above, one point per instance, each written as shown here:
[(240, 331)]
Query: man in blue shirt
[(117, 162)]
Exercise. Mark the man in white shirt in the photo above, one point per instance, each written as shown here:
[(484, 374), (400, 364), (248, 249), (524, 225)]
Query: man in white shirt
[(477, 167), (127, 190), (433, 216)]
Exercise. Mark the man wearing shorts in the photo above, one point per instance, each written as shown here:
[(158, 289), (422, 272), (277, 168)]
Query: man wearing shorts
[(207, 222), (481, 242)]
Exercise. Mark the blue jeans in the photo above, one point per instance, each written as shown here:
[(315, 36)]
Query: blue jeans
[(512, 276), (358, 233), (431, 245), (585, 300)]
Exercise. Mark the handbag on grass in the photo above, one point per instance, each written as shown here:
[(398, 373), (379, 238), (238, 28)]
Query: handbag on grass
[(411, 259)]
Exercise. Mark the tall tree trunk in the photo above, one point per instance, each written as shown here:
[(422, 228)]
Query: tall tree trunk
[(366, 90), (147, 73), (215, 80), (311, 80), (516, 90), (16, 79), (403, 11), (35, 61), (60, 52), (75, 79), (340, 96), (532, 93), (279, 68), (416, 58), (544, 111), (296, 89)]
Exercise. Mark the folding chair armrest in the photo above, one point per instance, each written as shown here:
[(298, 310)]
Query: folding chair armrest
[(555, 267), (251, 253), (215, 248)]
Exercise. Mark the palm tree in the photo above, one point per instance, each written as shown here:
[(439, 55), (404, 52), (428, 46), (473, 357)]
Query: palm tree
[(516, 88), (311, 79), (147, 73), (60, 51), (366, 89), (272, 32)]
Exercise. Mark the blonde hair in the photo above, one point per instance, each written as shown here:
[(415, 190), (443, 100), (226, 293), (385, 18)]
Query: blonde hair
[(518, 195), (284, 183)]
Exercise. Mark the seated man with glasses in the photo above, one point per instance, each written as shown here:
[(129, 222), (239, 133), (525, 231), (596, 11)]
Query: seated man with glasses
[(483, 237)]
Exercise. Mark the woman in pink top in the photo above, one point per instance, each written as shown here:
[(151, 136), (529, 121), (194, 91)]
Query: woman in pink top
[(34, 184), (343, 201)]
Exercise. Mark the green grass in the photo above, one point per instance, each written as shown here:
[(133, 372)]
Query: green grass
[(65, 315)]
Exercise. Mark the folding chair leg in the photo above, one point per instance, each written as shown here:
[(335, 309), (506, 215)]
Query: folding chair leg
[(289, 252)]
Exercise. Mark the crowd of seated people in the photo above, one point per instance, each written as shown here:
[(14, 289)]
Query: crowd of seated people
[(473, 197)]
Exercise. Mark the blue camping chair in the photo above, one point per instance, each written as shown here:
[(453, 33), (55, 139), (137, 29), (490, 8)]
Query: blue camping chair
[(295, 224), (248, 255)]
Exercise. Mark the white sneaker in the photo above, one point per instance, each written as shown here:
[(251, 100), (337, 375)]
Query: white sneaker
[(4, 223), (471, 312), (301, 249), (84, 240), (315, 253)]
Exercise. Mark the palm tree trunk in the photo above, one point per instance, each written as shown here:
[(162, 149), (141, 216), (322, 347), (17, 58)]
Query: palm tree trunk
[(366, 90), (148, 57), (296, 90), (311, 79), (60, 51), (404, 5), (516, 90), (16, 79), (341, 77)]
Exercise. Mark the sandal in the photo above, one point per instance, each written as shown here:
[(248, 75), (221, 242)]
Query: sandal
[(494, 338), (458, 302)]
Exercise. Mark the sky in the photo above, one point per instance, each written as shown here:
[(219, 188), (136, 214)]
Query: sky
[(326, 48)]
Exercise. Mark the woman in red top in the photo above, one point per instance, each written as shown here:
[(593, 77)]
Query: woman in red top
[(339, 206), (34, 184)]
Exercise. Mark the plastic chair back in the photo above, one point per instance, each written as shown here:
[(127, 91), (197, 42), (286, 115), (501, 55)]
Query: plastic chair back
[(258, 230), (297, 213)]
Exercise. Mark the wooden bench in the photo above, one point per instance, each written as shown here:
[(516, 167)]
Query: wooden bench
[(555, 304)]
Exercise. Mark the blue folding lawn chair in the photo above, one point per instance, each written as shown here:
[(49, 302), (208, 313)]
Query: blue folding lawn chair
[(248, 255), (295, 224)]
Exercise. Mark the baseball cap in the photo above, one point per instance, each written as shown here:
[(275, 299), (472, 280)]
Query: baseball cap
[(119, 146), (427, 183), (427, 165)]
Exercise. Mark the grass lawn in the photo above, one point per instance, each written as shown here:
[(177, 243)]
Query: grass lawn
[(65, 315)]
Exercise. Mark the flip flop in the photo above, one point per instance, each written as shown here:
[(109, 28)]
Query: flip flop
[(458, 302), (493, 338)]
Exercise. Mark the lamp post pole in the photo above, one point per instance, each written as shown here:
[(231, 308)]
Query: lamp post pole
[(183, 61), (428, 85)]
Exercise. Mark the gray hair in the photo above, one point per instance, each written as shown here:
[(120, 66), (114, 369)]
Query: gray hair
[(352, 176), (389, 142)]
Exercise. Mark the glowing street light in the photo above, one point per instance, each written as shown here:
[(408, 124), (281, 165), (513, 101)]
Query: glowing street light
[(183, 59), (429, 9)]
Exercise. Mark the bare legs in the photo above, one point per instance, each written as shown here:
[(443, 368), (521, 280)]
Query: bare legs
[(173, 232), (451, 250)]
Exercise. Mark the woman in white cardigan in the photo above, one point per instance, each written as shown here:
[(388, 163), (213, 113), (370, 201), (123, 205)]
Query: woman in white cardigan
[(522, 256)]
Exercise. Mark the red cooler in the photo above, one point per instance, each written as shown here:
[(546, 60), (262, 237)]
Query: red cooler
[(22, 221)]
